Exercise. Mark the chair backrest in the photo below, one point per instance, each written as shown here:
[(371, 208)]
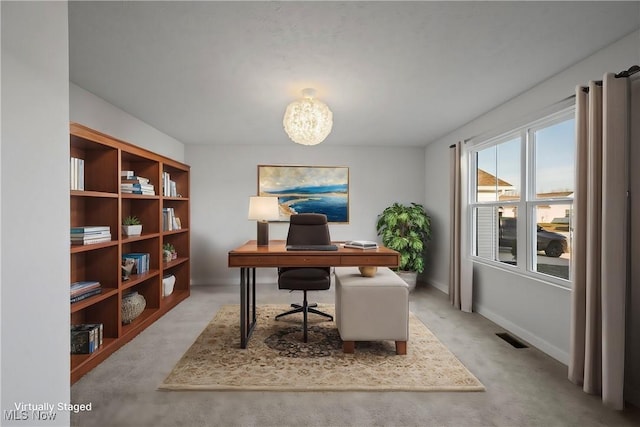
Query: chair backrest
[(308, 229)]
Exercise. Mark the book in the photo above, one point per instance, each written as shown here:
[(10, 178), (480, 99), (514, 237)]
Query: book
[(86, 338), (79, 288), (136, 186), (134, 180), (84, 284), (86, 295), (140, 261), (169, 220), (91, 241), (82, 341), (169, 187), (99, 328), (361, 244), (141, 192), (76, 173), (90, 228), (90, 235)]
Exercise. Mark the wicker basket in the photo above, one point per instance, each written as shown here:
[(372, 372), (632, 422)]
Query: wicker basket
[(133, 305)]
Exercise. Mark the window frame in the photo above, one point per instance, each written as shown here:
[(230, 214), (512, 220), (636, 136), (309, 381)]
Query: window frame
[(526, 238)]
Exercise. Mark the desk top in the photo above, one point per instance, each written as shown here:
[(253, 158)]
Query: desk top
[(276, 255)]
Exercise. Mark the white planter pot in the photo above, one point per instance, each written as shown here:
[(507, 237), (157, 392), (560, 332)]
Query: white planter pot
[(410, 278), (132, 230), (167, 285)]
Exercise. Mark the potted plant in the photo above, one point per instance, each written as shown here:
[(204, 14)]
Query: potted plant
[(406, 229), (131, 226), (169, 252)]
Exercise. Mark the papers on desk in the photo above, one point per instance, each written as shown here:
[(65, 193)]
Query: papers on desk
[(361, 244)]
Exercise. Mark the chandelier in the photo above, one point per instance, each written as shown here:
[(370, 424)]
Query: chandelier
[(308, 121)]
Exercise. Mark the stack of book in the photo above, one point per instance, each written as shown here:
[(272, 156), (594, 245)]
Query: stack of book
[(76, 173), (90, 234), (169, 188), (140, 262), (86, 338), (84, 289), (169, 220), (361, 244), (132, 184)]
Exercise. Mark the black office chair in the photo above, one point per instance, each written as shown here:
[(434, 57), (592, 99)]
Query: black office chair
[(306, 229)]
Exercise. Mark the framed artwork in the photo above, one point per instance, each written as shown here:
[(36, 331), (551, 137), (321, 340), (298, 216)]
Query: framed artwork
[(307, 189)]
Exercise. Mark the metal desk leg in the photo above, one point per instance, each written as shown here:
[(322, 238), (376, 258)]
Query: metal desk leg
[(247, 304)]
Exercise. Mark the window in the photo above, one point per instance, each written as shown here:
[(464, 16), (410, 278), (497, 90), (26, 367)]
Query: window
[(521, 197)]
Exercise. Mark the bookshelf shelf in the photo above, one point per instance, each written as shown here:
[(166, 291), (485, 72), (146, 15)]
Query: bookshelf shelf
[(83, 193), (143, 236), (138, 196), (85, 248), (96, 198), (80, 359), (177, 199), (106, 293), (182, 230), (174, 262), (133, 327), (136, 279)]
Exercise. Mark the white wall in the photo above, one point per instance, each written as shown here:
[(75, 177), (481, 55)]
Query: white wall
[(223, 177), (96, 113), (537, 312), (35, 208)]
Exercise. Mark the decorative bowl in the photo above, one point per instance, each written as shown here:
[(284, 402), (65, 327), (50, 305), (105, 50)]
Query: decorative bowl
[(133, 305), (368, 271)]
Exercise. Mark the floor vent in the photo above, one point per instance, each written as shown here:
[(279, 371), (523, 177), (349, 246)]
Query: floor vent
[(512, 340)]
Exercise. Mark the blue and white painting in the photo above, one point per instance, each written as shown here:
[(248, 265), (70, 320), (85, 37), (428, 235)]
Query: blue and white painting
[(307, 189)]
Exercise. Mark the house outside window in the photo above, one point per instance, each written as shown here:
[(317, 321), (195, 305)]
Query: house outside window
[(521, 198)]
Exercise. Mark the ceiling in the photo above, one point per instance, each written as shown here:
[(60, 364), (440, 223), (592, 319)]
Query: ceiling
[(393, 73)]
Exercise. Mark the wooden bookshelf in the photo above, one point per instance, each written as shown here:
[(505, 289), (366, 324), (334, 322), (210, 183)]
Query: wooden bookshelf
[(103, 203)]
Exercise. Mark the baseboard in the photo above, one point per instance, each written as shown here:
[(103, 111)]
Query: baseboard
[(440, 286), (534, 340)]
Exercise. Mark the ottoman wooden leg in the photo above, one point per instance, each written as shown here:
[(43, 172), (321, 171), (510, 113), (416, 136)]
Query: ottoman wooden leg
[(349, 346), (401, 347)]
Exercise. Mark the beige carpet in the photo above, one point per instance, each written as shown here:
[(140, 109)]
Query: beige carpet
[(276, 359)]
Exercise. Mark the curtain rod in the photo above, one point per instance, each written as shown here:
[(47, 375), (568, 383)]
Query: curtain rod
[(628, 73), (622, 74)]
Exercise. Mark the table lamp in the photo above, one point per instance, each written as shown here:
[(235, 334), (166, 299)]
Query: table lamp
[(263, 209)]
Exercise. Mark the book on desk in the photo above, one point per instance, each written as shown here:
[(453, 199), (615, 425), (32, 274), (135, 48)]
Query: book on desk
[(361, 244), (312, 247)]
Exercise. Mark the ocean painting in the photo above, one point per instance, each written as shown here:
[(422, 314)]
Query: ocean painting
[(307, 189)]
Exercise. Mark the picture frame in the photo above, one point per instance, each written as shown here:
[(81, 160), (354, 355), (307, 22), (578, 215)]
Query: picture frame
[(307, 189)]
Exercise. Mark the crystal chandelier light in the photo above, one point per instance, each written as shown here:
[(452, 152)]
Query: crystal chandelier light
[(308, 121)]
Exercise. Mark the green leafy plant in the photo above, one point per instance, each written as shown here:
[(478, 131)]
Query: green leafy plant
[(131, 220), (406, 229), (168, 247)]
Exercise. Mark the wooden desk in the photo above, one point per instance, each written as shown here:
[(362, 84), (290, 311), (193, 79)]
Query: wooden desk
[(250, 256)]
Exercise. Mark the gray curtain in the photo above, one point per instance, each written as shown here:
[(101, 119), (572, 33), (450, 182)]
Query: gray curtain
[(600, 256), (460, 268), (632, 347)]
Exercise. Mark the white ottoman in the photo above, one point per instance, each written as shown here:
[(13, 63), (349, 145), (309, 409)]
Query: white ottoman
[(371, 308)]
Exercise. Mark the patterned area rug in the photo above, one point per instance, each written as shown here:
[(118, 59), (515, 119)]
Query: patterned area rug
[(277, 359)]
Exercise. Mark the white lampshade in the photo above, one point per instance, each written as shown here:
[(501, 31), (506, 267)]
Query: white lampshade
[(308, 121), (263, 208)]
